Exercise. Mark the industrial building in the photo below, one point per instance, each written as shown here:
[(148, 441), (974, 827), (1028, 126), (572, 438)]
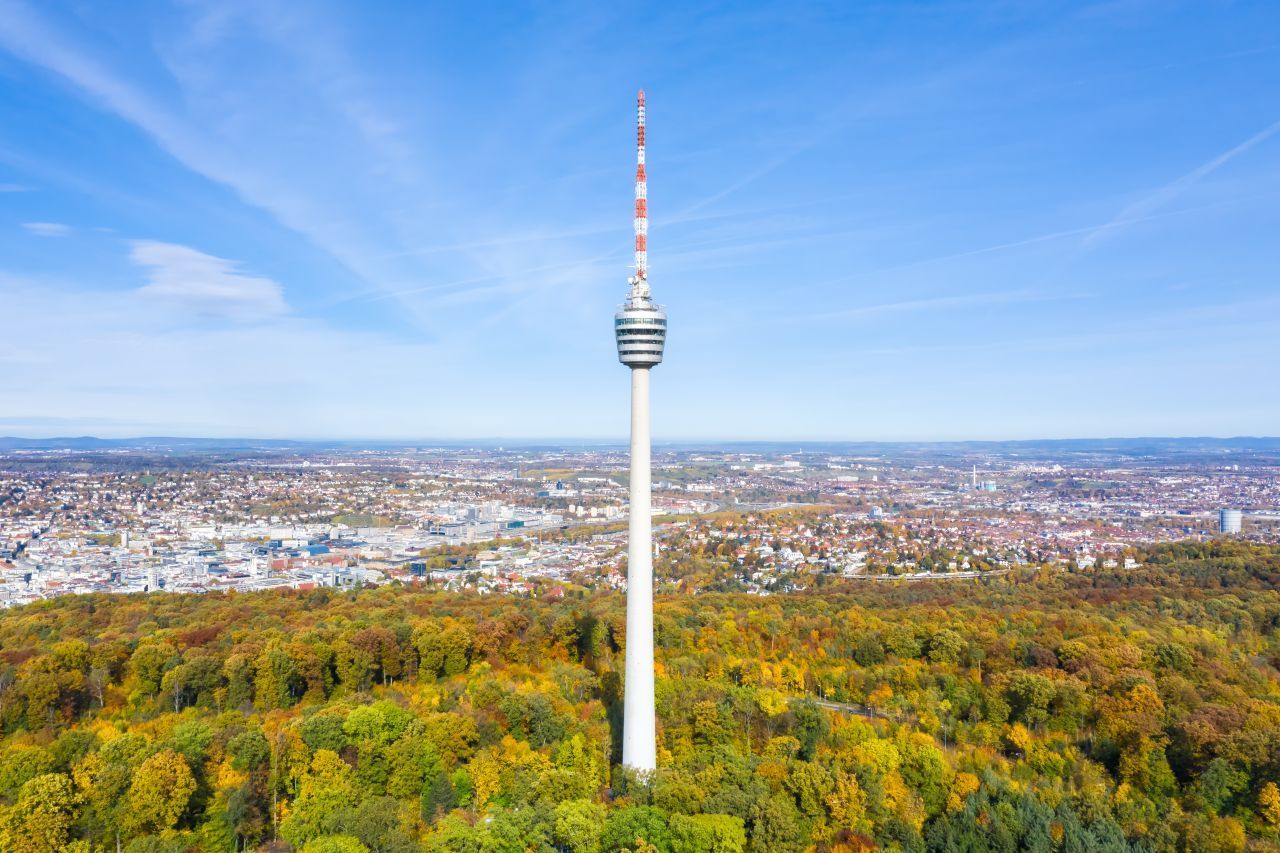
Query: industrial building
[(1230, 521)]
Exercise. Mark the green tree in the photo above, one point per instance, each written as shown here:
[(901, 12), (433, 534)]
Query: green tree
[(150, 661), (335, 844), (946, 646), (323, 731), (579, 825), (775, 827), (811, 726), (1029, 695), (707, 833), (249, 750), (21, 764), (380, 723), (237, 669), (625, 827), (275, 674), (810, 783), (869, 651)]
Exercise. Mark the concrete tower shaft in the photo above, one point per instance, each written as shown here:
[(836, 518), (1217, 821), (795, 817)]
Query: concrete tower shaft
[(639, 724)]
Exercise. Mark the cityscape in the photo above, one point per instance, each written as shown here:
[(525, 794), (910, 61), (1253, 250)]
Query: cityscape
[(543, 521)]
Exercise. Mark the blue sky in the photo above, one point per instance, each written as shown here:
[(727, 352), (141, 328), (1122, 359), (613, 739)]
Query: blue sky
[(868, 220)]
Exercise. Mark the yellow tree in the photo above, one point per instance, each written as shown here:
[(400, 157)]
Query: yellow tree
[(41, 819), (847, 803), (486, 775), (964, 785), (162, 788), (1269, 804), (327, 788)]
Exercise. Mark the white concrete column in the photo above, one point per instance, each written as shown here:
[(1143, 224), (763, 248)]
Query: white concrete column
[(639, 729)]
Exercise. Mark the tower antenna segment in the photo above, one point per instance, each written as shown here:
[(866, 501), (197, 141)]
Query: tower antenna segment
[(640, 281)]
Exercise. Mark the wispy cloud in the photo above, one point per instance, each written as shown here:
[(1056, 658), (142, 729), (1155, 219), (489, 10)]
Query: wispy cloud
[(14, 188), (328, 68), (1048, 237), (508, 240), (47, 229), (1241, 318), (119, 355), (205, 285), (1145, 206), (455, 290), (940, 303), (217, 149)]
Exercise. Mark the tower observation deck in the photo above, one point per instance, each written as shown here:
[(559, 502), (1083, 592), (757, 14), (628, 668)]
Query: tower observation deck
[(641, 328)]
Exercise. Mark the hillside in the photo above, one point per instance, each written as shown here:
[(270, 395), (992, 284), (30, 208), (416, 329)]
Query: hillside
[(1095, 711)]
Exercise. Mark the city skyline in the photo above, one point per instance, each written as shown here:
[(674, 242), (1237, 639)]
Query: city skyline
[(879, 223)]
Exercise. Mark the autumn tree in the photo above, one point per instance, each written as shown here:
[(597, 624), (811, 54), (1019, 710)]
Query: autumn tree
[(162, 787), (41, 819)]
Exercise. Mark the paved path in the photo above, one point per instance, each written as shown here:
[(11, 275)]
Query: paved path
[(930, 576), (847, 709), (862, 711)]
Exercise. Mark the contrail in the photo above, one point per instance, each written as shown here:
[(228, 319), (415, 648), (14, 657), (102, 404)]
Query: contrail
[(1140, 209)]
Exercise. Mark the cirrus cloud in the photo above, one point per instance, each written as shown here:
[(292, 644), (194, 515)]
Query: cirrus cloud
[(205, 285), (47, 229)]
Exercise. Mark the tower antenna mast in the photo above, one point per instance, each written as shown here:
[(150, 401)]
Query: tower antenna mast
[(640, 281)]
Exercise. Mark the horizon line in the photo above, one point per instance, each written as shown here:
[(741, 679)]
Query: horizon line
[(622, 440)]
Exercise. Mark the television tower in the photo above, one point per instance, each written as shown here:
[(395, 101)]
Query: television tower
[(641, 329)]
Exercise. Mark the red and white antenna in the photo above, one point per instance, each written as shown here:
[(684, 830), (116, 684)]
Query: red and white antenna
[(642, 203)]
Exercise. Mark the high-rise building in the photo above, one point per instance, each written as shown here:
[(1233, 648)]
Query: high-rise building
[(641, 329), (1229, 520)]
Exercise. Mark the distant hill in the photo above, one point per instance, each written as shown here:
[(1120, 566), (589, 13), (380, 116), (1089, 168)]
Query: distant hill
[(89, 442), (1139, 446), (1133, 447)]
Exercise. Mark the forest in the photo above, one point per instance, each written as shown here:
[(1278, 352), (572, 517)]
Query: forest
[(1042, 710)]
